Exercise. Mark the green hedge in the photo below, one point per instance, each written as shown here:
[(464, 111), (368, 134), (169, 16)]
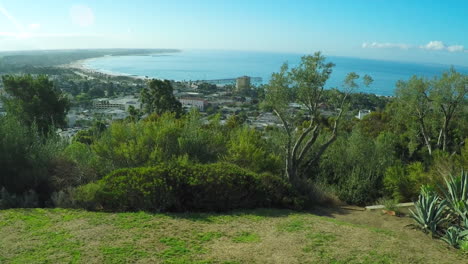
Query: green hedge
[(188, 187)]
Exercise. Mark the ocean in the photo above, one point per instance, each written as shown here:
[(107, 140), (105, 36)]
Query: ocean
[(213, 65)]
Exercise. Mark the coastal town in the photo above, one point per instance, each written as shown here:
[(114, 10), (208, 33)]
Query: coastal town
[(231, 97), (104, 97)]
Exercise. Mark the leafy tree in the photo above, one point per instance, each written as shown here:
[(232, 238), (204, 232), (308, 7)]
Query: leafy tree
[(110, 89), (305, 85), (35, 100), (24, 156), (134, 114), (96, 92), (430, 108), (450, 96), (158, 98), (248, 149)]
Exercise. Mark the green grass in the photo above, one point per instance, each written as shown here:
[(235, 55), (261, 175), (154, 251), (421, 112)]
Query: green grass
[(256, 236)]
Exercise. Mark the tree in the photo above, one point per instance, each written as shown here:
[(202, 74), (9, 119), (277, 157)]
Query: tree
[(96, 92), (35, 100), (449, 95), (305, 86), (134, 114), (158, 98), (429, 107)]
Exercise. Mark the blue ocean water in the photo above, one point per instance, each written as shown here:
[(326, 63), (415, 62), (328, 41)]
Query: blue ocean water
[(211, 65)]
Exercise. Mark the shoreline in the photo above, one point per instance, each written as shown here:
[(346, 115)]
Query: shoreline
[(79, 65), (85, 71)]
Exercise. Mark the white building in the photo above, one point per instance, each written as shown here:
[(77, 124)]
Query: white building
[(189, 102), (121, 103), (363, 113)]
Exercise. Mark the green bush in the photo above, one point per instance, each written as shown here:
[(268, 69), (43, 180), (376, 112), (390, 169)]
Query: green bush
[(447, 215), (187, 187), (25, 157), (8, 200), (403, 183), (354, 166)]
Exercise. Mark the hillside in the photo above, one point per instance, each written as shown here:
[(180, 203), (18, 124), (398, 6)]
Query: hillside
[(258, 236)]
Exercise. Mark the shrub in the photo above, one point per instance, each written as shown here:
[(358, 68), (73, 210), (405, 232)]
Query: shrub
[(87, 196), (25, 157), (28, 199), (464, 245), (456, 195), (347, 168), (429, 212), (187, 187), (454, 236), (403, 183)]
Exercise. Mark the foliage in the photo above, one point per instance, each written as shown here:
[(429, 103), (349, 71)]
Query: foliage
[(454, 237), (431, 109), (35, 101), (27, 199), (25, 157), (404, 182), (305, 85), (429, 212), (452, 209), (346, 166), (247, 149), (158, 98), (456, 195), (464, 245), (184, 186), (389, 204), (159, 139)]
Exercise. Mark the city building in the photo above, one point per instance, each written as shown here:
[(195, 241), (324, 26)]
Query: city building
[(190, 102), (363, 113), (120, 103), (243, 83)]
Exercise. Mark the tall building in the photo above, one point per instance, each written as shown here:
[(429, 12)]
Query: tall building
[(243, 83)]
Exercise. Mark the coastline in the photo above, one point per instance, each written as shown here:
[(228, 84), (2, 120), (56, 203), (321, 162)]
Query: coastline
[(81, 69)]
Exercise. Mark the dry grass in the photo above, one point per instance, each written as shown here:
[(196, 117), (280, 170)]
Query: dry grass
[(257, 236)]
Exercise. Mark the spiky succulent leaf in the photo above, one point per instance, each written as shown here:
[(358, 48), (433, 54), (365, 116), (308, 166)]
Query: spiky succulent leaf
[(452, 236), (456, 194), (429, 212)]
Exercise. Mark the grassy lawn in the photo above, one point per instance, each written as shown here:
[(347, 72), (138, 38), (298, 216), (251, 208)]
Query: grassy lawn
[(257, 236)]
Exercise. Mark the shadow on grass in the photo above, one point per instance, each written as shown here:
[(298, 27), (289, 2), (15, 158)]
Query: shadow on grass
[(259, 213)]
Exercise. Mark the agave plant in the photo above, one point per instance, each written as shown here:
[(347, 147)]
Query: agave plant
[(429, 212), (456, 194), (454, 236)]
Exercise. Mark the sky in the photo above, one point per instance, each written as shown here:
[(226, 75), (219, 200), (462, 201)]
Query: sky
[(434, 31)]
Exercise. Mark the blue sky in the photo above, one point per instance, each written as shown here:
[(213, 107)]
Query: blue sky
[(409, 30)]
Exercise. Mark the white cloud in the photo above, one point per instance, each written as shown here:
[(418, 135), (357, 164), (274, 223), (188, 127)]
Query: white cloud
[(456, 48), (82, 15), (385, 45), (432, 45)]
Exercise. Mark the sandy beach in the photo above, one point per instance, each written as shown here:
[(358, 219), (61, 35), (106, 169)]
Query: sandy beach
[(81, 69)]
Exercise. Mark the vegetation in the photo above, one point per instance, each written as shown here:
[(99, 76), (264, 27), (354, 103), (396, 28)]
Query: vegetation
[(158, 98), (187, 187), (163, 160), (321, 150), (35, 101), (305, 85), (247, 236), (46, 58), (445, 217)]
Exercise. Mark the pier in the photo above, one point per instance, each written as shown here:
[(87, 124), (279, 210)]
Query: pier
[(231, 80)]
